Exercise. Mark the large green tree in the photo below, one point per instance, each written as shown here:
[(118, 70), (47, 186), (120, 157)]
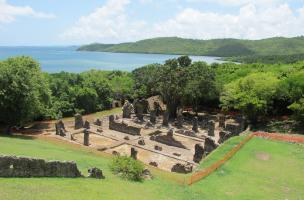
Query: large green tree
[(171, 83), (24, 92), (253, 94), (200, 85)]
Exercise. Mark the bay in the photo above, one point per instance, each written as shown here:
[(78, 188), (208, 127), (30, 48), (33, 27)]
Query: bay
[(56, 59)]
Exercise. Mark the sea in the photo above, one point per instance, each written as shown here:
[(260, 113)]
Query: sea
[(57, 59)]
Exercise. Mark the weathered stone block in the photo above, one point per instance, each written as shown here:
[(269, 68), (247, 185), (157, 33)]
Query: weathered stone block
[(86, 138), (195, 124), (95, 173), (210, 145), (123, 127), (12, 166), (166, 118), (78, 121), (134, 153), (199, 153), (211, 127), (182, 168), (222, 120)]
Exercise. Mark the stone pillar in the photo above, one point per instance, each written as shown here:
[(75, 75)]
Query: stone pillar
[(98, 122), (211, 127), (78, 121), (57, 128), (126, 110), (180, 120), (170, 132), (166, 118), (209, 145), (153, 116), (86, 138), (223, 136), (86, 124), (195, 124), (222, 119), (241, 120), (140, 112), (199, 153), (60, 128), (157, 108), (111, 118), (134, 153)]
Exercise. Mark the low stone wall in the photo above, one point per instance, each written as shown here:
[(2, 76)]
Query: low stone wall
[(12, 166), (123, 127)]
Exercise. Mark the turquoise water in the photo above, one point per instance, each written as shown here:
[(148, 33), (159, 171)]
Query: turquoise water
[(56, 59)]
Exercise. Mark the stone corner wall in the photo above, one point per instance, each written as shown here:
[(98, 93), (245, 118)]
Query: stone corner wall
[(12, 166), (123, 127)]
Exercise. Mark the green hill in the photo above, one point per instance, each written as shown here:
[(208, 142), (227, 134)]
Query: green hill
[(214, 47)]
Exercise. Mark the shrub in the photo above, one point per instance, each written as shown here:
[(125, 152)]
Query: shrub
[(127, 168)]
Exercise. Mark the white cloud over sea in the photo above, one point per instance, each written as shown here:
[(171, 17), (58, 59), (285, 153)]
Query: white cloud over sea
[(253, 20), (9, 13)]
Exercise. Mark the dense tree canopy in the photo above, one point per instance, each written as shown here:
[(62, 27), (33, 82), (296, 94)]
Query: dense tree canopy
[(24, 92), (255, 89), (253, 94)]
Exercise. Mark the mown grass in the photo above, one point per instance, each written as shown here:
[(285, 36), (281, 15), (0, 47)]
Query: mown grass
[(245, 176)]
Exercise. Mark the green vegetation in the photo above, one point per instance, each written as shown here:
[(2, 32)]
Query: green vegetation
[(24, 93), (127, 168), (87, 92), (260, 91), (252, 94), (268, 59), (262, 169), (215, 47)]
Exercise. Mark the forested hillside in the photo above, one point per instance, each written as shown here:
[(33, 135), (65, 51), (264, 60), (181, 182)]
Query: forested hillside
[(215, 47)]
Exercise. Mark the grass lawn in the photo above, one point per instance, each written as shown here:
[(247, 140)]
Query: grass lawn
[(261, 170)]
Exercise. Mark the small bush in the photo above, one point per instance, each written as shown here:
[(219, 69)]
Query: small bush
[(127, 168)]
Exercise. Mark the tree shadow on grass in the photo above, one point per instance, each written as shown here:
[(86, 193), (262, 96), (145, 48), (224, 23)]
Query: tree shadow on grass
[(22, 137)]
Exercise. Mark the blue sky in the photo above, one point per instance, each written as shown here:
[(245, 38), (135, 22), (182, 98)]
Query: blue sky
[(74, 22)]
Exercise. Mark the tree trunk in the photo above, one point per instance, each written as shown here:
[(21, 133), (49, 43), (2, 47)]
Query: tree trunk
[(172, 109), (8, 130)]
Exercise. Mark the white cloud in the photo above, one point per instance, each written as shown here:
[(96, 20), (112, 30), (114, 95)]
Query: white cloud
[(8, 12), (110, 23), (250, 23), (263, 3)]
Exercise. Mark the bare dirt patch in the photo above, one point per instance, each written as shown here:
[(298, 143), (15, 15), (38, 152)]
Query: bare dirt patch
[(262, 156)]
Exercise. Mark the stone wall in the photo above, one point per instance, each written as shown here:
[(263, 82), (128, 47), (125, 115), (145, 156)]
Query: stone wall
[(123, 127), (12, 166)]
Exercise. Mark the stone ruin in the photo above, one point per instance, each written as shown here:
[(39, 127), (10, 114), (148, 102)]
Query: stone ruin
[(127, 109), (78, 121), (195, 124), (211, 127), (123, 127), (199, 153), (148, 135), (95, 173), (134, 153), (12, 166), (166, 118), (168, 139), (222, 119), (182, 168), (98, 122), (86, 136), (210, 145), (60, 128)]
